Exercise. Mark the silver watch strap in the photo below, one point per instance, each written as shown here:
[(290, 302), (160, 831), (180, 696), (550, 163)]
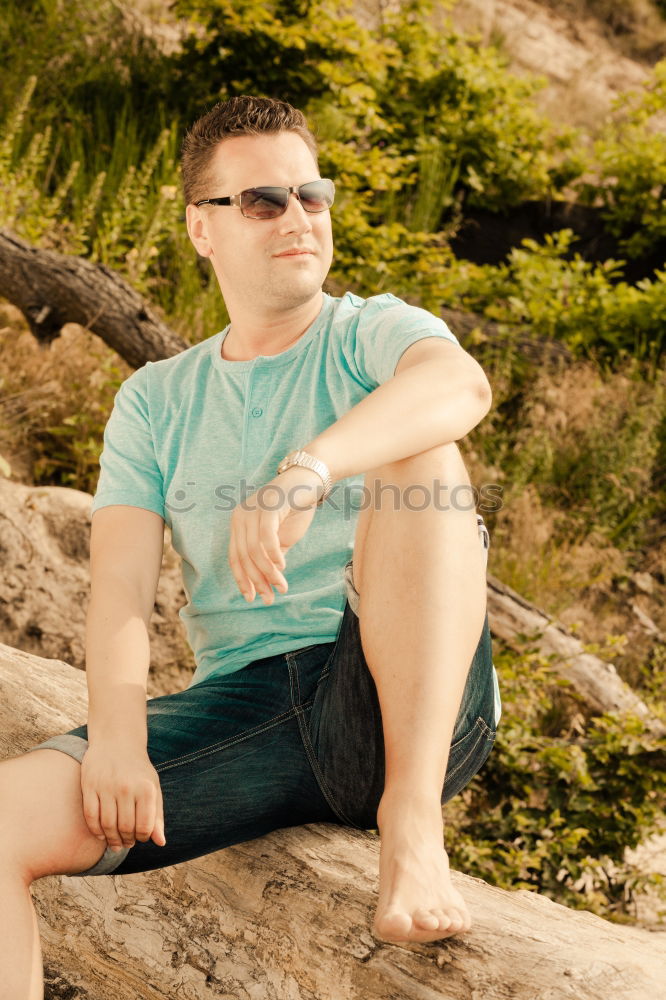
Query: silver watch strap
[(307, 461)]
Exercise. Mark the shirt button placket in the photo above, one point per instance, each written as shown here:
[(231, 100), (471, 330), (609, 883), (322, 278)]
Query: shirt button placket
[(256, 424)]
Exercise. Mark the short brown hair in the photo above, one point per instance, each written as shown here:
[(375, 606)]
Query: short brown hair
[(242, 115)]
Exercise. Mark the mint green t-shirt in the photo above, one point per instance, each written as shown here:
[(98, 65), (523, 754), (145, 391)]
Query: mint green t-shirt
[(190, 436)]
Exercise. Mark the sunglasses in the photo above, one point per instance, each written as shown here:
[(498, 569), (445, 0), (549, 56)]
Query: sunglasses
[(271, 202)]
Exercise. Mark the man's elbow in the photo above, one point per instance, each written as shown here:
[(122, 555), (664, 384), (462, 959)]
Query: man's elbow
[(476, 402), (485, 393), (480, 390)]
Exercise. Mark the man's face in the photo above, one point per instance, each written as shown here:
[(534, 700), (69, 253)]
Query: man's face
[(248, 255)]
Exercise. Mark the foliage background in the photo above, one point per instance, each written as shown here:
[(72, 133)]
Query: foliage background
[(420, 126)]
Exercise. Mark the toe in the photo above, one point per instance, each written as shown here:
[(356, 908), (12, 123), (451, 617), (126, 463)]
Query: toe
[(443, 917), (456, 921), (426, 919)]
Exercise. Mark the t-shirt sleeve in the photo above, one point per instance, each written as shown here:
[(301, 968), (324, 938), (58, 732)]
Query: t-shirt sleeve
[(385, 329), (129, 473)]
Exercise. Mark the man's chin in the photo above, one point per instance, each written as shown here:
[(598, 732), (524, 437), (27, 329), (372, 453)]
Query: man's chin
[(296, 292)]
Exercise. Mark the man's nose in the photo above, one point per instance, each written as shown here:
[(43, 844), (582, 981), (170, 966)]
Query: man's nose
[(295, 217)]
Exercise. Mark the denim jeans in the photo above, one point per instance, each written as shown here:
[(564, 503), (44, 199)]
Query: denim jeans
[(289, 739)]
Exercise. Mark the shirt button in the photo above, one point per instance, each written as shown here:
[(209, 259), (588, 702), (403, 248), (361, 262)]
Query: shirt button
[(257, 411)]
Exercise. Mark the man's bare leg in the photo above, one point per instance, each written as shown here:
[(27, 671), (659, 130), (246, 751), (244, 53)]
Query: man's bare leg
[(42, 832), (422, 586)]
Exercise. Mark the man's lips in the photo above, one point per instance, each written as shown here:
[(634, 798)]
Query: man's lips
[(293, 253)]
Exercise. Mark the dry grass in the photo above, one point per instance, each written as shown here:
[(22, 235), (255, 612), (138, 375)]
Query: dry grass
[(40, 387), (539, 548)]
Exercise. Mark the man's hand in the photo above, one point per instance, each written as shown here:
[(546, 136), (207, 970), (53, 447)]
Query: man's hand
[(122, 797), (265, 525)]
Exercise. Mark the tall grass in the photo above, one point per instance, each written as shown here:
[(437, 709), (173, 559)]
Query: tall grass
[(119, 207)]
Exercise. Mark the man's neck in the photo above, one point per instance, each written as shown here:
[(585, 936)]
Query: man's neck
[(245, 341)]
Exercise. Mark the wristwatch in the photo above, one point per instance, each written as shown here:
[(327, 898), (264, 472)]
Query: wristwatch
[(308, 462)]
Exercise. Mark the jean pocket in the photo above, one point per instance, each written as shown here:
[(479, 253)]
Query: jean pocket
[(308, 667), (326, 669), (346, 622), (467, 756)]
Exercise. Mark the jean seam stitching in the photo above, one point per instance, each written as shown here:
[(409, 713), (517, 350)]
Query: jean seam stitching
[(479, 721), (197, 754), (481, 734), (312, 758), (188, 758), (293, 681)]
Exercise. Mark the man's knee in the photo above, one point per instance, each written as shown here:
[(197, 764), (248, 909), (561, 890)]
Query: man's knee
[(443, 461)]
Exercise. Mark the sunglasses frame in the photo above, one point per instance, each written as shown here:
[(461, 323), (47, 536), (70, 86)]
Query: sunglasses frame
[(236, 200)]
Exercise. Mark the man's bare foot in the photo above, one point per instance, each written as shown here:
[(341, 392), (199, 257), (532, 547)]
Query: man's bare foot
[(417, 901)]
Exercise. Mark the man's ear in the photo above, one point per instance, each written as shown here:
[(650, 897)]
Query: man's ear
[(197, 230)]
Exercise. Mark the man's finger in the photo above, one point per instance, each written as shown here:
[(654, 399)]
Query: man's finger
[(242, 581), (91, 814), (270, 542), (252, 580), (109, 821), (257, 535), (271, 546), (145, 814), (159, 835), (126, 807), (262, 570)]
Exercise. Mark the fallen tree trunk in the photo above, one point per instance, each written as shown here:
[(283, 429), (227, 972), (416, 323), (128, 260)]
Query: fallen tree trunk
[(595, 680), (289, 915), (52, 289)]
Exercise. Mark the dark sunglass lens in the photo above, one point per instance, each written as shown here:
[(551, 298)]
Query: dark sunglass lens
[(316, 196), (264, 203)]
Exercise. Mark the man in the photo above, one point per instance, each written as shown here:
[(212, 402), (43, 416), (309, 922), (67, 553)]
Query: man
[(363, 691)]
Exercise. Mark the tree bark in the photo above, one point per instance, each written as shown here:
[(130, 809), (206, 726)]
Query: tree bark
[(52, 289), (289, 915)]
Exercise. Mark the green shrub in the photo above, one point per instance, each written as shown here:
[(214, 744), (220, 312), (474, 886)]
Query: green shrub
[(626, 173), (435, 109), (127, 218), (68, 449), (96, 69), (560, 797), (583, 304)]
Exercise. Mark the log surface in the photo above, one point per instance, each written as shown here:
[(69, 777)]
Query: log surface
[(288, 916)]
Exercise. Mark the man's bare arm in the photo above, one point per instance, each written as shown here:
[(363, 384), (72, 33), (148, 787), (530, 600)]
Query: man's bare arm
[(437, 395), (126, 547)]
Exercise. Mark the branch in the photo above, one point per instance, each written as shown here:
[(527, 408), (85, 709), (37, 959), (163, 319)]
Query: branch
[(597, 681), (52, 289)]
